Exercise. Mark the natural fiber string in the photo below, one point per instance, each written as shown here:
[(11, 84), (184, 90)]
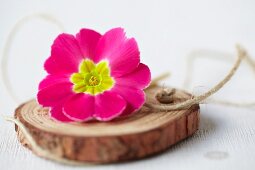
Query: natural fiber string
[(48, 155), (218, 55), (39, 150), (155, 81), (197, 99), (9, 41), (230, 103), (191, 58), (4, 63)]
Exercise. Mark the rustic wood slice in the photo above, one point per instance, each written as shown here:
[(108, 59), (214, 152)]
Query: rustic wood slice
[(126, 138)]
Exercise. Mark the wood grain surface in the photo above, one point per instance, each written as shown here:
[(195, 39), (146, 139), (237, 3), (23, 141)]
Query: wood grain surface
[(142, 134)]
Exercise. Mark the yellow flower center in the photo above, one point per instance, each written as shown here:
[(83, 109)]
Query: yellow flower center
[(93, 81), (92, 78)]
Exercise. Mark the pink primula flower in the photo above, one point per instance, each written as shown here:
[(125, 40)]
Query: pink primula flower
[(93, 76)]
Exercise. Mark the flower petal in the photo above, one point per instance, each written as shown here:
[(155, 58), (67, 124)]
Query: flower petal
[(54, 94), (139, 78), (88, 40), (50, 80), (57, 114), (108, 105), (86, 66), (103, 68), (135, 98), (107, 83), (121, 52), (79, 107), (65, 55), (77, 77), (80, 88)]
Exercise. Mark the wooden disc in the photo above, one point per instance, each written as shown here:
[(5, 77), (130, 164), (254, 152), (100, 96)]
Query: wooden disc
[(144, 133)]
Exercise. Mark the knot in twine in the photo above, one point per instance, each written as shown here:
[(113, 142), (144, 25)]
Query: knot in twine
[(241, 54)]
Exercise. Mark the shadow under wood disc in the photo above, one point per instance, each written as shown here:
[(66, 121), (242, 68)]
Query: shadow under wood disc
[(141, 134)]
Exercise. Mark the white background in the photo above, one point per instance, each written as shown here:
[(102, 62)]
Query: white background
[(167, 32)]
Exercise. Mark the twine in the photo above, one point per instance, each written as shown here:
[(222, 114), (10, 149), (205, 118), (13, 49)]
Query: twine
[(155, 81), (230, 103), (4, 63), (217, 55), (39, 150), (188, 103), (9, 41), (48, 155), (195, 54), (197, 99)]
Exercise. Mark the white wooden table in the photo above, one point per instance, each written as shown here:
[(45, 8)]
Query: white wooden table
[(167, 31)]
